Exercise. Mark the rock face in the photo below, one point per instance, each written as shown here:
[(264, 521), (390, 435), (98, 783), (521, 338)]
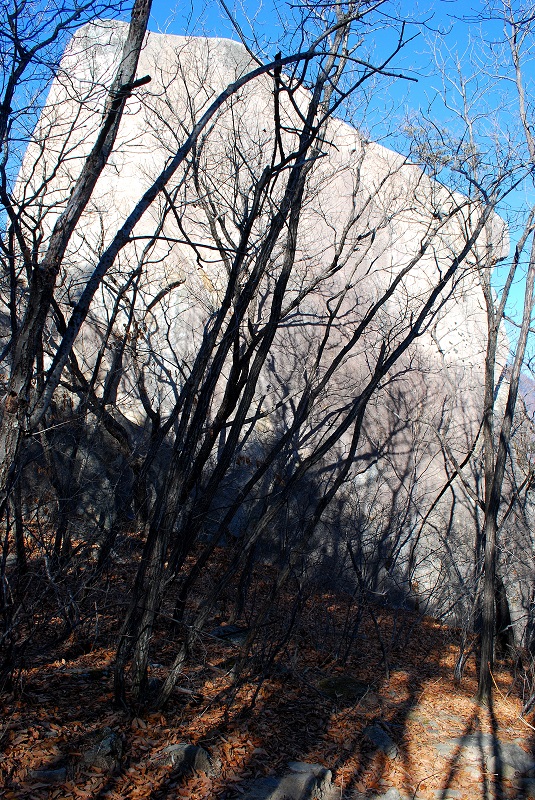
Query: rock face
[(369, 220)]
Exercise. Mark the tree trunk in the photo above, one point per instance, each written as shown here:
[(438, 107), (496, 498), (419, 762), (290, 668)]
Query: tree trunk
[(488, 621), (18, 404)]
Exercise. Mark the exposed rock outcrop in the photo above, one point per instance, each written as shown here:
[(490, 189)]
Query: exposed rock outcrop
[(400, 228)]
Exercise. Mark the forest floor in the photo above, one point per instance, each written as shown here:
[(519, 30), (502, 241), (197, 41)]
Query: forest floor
[(59, 705)]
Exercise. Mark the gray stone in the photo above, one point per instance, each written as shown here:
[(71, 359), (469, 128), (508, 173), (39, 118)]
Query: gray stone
[(528, 789), (184, 757), (517, 758), (105, 751), (381, 740), (391, 794), (305, 782), (305, 767), (508, 758), (230, 634), (58, 775)]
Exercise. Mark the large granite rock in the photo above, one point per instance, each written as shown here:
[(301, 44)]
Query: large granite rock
[(393, 206)]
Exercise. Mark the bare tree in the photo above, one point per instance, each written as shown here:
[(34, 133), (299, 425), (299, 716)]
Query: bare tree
[(231, 322), (490, 158), (263, 286), (27, 42)]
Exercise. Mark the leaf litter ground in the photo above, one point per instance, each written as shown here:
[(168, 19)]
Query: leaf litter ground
[(297, 715)]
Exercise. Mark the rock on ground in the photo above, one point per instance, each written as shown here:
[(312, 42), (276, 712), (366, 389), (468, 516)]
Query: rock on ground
[(53, 775), (506, 758), (381, 740), (105, 751), (303, 782), (184, 757)]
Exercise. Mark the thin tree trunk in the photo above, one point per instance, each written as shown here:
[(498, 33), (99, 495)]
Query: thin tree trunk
[(20, 547), (493, 497), (488, 622), (17, 407)]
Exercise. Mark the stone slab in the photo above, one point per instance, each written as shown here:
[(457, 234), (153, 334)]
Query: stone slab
[(303, 782), (381, 740), (497, 756)]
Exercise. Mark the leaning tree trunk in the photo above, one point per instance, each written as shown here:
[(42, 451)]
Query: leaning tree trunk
[(19, 402)]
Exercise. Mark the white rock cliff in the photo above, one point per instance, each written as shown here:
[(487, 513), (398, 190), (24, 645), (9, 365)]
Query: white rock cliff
[(385, 207)]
